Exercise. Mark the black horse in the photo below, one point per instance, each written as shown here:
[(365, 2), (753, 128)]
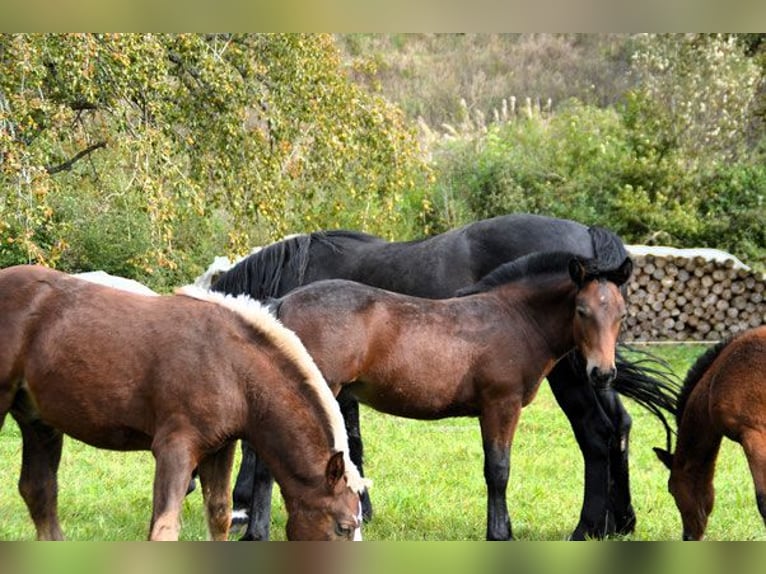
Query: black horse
[(438, 267)]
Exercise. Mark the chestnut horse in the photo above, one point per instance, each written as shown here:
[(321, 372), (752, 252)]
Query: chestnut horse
[(182, 377), (482, 353), (724, 395)]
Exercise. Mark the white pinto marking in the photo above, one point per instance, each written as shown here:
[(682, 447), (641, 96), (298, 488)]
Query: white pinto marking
[(358, 529), (103, 278), (221, 264), (215, 269)]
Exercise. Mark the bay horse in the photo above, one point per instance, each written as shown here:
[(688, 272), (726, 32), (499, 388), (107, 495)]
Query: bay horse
[(482, 353), (437, 267), (182, 376), (724, 395)]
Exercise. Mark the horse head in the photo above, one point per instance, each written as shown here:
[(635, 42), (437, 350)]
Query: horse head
[(334, 512), (693, 495), (599, 310)]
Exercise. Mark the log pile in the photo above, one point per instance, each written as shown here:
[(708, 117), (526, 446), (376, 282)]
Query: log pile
[(682, 295)]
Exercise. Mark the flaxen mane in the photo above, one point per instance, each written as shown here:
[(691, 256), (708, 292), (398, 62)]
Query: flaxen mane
[(288, 342)]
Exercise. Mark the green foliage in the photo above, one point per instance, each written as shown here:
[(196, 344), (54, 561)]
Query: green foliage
[(135, 151), (667, 165), (705, 86), (145, 154)]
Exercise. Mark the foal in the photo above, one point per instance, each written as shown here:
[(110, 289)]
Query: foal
[(724, 394), (481, 354), (181, 377)]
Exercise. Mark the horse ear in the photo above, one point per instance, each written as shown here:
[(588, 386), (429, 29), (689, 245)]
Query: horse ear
[(577, 271), (336, 470), (624, 272), (665, 457)]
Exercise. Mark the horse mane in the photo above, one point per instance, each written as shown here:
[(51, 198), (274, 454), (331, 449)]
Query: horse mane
[(697, 371), (260, 317), (539, 263), (260, 273), (608, 248)]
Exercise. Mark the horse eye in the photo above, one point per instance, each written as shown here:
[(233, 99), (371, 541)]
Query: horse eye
[(343, 530), (582, 312)]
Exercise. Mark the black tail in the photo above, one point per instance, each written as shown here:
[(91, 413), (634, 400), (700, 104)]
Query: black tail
[(650, 381)]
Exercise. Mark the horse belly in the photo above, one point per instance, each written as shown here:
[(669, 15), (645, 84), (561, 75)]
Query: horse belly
[(414, 400), (103, 411)]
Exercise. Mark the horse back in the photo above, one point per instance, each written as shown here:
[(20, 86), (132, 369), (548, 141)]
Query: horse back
[(403, 355), (436, 267), (736, 383), (107, 366)]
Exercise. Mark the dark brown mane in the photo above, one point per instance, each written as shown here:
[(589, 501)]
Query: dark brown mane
[(535, 265)]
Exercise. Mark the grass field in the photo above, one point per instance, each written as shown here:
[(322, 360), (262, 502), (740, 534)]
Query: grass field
[(428, 482)]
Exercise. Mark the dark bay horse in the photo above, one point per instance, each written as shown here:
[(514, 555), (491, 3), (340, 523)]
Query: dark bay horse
[(436, 268), (482, 353), (724, 395), (182, 377)]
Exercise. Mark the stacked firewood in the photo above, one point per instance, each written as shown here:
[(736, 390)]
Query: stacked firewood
[(688, 295)]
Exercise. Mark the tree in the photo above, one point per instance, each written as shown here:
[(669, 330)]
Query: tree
[(704, 86), (179, 145)]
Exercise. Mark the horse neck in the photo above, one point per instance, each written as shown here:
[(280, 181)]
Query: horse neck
[(291, 433), (549, 310), (698, 440)]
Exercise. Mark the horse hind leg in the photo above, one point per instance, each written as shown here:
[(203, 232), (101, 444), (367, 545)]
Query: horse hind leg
[(215, 478), (38, 485)]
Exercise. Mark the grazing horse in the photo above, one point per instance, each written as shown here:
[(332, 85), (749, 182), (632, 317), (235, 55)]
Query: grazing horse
[(482, 353), (724, 395), (436, 268), (182, 376)]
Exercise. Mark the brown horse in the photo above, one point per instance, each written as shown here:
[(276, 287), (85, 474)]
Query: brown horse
[(181, 377), (724, 394), (483, 353)]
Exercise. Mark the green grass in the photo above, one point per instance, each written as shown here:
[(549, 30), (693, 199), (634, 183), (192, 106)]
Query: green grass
[(428, 482)]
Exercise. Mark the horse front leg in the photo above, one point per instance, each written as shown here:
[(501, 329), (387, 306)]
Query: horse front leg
[(349, 407), (243, 487), (753, 442), (620, 503), (173, 467), (594, 433), (259, 520), (215, 478), (498, 424), (38, 485)]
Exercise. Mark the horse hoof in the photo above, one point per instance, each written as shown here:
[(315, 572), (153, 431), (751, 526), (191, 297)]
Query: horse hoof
[(625, 524), (192, 487), (239, 520)]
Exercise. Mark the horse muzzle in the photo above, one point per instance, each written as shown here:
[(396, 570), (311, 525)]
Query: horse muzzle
[(602, 379)]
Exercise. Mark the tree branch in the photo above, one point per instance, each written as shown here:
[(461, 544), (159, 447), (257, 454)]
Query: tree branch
[(51, 169)]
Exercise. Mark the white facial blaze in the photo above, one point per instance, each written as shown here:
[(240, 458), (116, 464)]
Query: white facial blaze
[(358, 529)]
